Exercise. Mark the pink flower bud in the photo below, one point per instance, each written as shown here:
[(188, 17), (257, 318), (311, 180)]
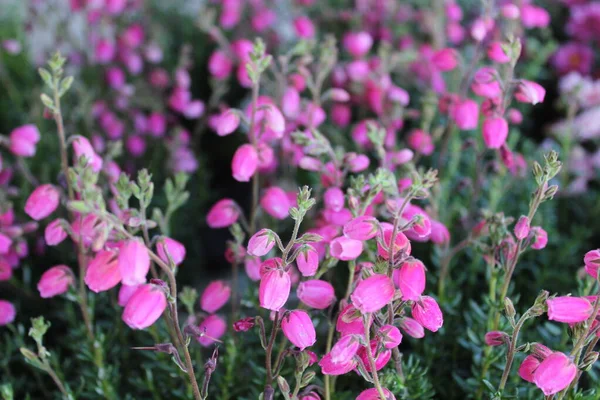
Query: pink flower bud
[(373, 394), (215, 296), (445, 59), (390, 336), (465, 114), (167, 247), (334, 199), (5, 271), (345, 249), (244, 163), (261, 243), (316, 293), (439, 233), (328, 367), (244, 325), (299, 329), (361, 228), (7, 312), (274, 289), (134, 262), (555, 373), (373, 293), (569, 309), (55, 281), (528, 367), (496, 53), (42, 202), (223, 214), (290, 102), (358, 43), (381, 358), (83, 148), (23, 140), (496, 338), (219, 65), (304, 27), (227, 123), (592, 263), (410, 279), (345, 349), (350, 321), (125, 293), (427, 312), (308, 260), (401, 243), (358, 162), (522, 227), (275, 202), (103, 272), (145, 306), (495, 132), (530, 92), (540, 238), (213, 327)]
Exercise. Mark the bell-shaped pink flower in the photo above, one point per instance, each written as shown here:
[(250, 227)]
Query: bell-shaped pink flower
[(495, 132), (390, 336), (252, 268), (220, 65), (412, 327), (350, 321), (55, 232), (439, 233), (465, 114), (167, 247), (381, 358), (334, 198), (290, 102), (23, 140), (145, 306), (522, 227), (358, 43), (244, 163), (299, 329), (421, 141), (328, 367), (103, 272), (274, 290), (528, 367), (592, 263), (55, 281), (83, 148), (5, 243), (7, 312), (125, 293), (42, 202), (569, 309), (345, 349), (215, 296), (540, 238), (275, 202), (361, 228), (530, 92), (373, 293), (555, 373), (427, 312), (316, 293), (261, 242), (401, 243), (134, 262), (445, 59), (345, 249), (304, 27), (227, 123), (307, 260), (213, 328), (373, 394), (496, 53), (410, 279), (223, 214)]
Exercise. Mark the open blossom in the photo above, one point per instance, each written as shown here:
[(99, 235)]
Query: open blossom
[(528, 367), (103, 271), (316, 293), (373, 293), (55, 281), (569, 309), (23, 140), (145, 306), (410, 279), (345, 249), (361, 228), (134, 262), (299, 329), (274, 289), (540, 238), (530, 92), (42, 202), (555, 373), (350, 321), (344, 349), (168, 248), (212, 328)]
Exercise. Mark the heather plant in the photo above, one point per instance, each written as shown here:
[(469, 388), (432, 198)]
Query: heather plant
[(399, 219)]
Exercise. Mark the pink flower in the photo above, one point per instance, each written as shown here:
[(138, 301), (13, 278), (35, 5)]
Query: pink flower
[(23, 140), (522, 227), (445, 59), (55, 281), (213, 328), (5, 271), (42, 202), (244, 163), (350, 321), (219, 65), (145, 306), (274, 289), (103, 272), (227, 123), (104, 51), (275, 202), (316, 293), (358, 43), (252, 268), (290, 102), (534, 17), (334, 198), (261, 243), (244, 325), (361, 228), (496, 338), (569, 309), (215, 296), (496, 53), (465, 114), (528, 367), (592, 263), (328, 367), (344, 350), (530, 92), (410, 279), (5, 243), (345, 249), (170, 248), (412, 327), (373, 293), (401, 243), (373, 394), (495, 132), (7, 312), (439, 233), (381, 358), (223, 214), (125, 293), (427, 312), (421, 142), (134, 262), (83, 148), (555, 373), (390, 336), (540, 238), (304, 27), (299, 329), (308, 260)]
